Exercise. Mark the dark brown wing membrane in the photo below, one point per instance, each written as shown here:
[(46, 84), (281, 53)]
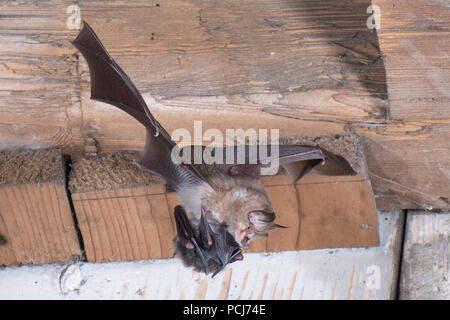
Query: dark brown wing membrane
[(110, 84), (297, 160)]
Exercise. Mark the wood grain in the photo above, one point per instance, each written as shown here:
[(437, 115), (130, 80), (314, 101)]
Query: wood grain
[(126, 224), (280, 63), (133, 223), (321, 212), (414, 41), (425, 270), (36, 223), (409, 164), (308, 68), (403, 175), (39, 81), (200, 48), (193, 54)]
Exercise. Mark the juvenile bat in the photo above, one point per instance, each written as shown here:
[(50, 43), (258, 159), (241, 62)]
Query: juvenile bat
[(228, 204)]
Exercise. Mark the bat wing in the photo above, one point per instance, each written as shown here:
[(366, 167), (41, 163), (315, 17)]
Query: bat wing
[(297, 160), (110, 84)]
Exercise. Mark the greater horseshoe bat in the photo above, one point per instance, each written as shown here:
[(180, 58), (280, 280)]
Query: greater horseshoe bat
[(228, 204)]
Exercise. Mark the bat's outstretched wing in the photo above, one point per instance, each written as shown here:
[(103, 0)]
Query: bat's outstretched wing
[(110, 84), (297, 160)]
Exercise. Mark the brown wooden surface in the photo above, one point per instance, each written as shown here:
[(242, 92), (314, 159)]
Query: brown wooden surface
[(309, 68), (409, 164), (137, 222), (414, 38), (36, 224), (305, 67), (126, 224), (39, 95)]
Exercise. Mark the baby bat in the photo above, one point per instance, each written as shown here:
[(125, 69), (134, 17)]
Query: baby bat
[(228, 204)]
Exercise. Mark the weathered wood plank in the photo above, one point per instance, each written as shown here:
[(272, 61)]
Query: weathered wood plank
[(39, 80), (224, 64), (409, 164), (414, 41), (199, 48), (425, 270), (392, 163), (317, 54), (214, 63), (36, 224), (358, 273)]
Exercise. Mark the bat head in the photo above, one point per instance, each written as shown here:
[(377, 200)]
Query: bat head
[(243, 205), (208, 247), (260, 223)]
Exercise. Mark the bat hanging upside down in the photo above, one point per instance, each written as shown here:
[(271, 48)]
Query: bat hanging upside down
[(228, 204)]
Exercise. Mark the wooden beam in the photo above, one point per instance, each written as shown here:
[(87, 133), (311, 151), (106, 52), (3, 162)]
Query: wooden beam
[(200, 48), (425, 270), (409, 164), (414, 40), (214, 63), (36, 224), (402, 175), (39, 80), (305, 67)]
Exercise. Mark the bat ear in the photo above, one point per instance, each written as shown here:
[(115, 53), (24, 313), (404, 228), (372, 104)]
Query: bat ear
[(205, 232), (185, 233), (277, 226)]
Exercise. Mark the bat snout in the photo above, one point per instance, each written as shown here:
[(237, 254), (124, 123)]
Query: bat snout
[(243, 237)]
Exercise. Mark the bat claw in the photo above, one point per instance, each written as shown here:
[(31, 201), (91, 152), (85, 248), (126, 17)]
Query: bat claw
[(323, 158), (138, 164)]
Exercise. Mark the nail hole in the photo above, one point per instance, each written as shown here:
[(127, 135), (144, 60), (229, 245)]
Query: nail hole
[(2, 240)]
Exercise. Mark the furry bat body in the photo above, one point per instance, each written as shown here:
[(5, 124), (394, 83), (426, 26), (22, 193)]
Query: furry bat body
[(229, 205)]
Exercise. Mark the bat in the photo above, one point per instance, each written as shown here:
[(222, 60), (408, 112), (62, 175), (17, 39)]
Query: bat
[(204, 249), (228, 205)]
